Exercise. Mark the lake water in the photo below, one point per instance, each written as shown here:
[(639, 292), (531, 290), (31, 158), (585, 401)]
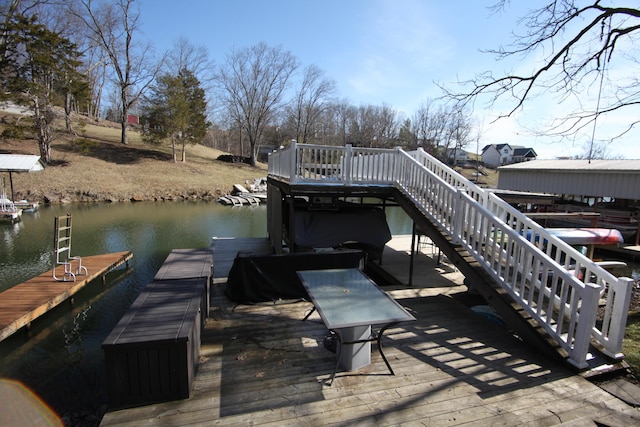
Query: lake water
[(62, 361)]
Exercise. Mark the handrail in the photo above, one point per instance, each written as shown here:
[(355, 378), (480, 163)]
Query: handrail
[(554, 283)]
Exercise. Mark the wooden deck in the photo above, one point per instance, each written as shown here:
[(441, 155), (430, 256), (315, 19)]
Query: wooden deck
[(24, 303), (263, 365)]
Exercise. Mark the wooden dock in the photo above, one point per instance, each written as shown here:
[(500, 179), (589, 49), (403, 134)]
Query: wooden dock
[(25, 302), (263, 365), (11, 216)]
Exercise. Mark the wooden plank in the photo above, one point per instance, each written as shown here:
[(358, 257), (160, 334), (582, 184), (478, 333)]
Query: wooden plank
[(451, 367), (27, 301), (159, 313), (186, 263), (263, 365)]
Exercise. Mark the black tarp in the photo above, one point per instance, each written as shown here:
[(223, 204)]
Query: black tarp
[(362, 228), (262, 278)]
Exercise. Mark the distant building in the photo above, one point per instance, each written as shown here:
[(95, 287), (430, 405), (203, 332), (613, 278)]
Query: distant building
[(133, 119), (505, 154), (523, 155), (457, 156)]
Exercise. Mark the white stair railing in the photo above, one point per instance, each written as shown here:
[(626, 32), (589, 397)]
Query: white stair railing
[(557, 285)]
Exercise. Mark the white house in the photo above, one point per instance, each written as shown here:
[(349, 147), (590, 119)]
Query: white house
[(457, 156), (505, 154)]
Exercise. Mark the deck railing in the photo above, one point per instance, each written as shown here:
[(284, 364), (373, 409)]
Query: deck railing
[(557, 285)]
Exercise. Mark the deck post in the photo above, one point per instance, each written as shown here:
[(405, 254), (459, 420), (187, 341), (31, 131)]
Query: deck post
[(582, 337), (348, 156), (458, 219), (398, 161), (293, 170), (618, 318)]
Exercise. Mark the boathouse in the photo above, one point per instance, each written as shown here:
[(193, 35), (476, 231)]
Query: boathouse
[(611, 187), (505, 256), (596, 178)]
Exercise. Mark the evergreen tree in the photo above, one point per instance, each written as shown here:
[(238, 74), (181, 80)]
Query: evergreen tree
[(36, 66), (175, 109)]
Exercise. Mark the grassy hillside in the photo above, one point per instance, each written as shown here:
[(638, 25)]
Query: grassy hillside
[(488, 178), (95, 166)]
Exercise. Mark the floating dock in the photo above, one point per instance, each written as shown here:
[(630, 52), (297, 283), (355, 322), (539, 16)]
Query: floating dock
[(27, 301), (251, 199), (11, 216)]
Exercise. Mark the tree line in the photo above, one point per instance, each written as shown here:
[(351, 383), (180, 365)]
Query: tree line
[(89, 57)]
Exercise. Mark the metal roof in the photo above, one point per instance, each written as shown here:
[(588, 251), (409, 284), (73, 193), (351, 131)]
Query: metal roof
[(577, 165), (597, 178), (20, 163)]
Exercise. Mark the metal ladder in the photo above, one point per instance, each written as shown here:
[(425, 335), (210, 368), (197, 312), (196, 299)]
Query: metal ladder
[(62, 251)]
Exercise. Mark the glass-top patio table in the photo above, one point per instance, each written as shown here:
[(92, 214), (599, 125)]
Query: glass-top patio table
[(350, 303)]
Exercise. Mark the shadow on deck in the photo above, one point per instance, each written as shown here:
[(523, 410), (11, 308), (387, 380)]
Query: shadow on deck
[(263, 365)]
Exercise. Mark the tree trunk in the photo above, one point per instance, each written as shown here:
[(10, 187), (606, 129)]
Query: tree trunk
[(123, 124), (125, 114), (253, 155), (45, 152), (67, 113), (43, 130)]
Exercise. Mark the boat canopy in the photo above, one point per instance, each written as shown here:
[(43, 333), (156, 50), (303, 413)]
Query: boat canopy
[(20, 163)]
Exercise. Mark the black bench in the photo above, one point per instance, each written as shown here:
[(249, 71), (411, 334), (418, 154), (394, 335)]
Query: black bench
[(152, 353)]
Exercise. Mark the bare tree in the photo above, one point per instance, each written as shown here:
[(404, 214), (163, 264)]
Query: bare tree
[(457, 134), (577, 42), (252, 85), (113, 25), (362, 126), (342, 114), (310, 102), (185, 56), (429, 124), (599, 151), (95, 60), (95, 70), (387, 126)]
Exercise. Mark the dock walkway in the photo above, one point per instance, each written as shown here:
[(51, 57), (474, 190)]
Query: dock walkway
[(262, 365), (27, 301)]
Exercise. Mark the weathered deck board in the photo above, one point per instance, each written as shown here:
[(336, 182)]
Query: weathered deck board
[(27, 301), (226, 249), (263, 365), (186, 263)]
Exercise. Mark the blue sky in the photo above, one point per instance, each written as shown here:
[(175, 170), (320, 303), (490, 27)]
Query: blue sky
[(377, 51)]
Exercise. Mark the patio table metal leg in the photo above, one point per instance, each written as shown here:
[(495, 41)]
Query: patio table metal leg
[(309, 313), (338, 355), (379, 341), (376, 337)]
